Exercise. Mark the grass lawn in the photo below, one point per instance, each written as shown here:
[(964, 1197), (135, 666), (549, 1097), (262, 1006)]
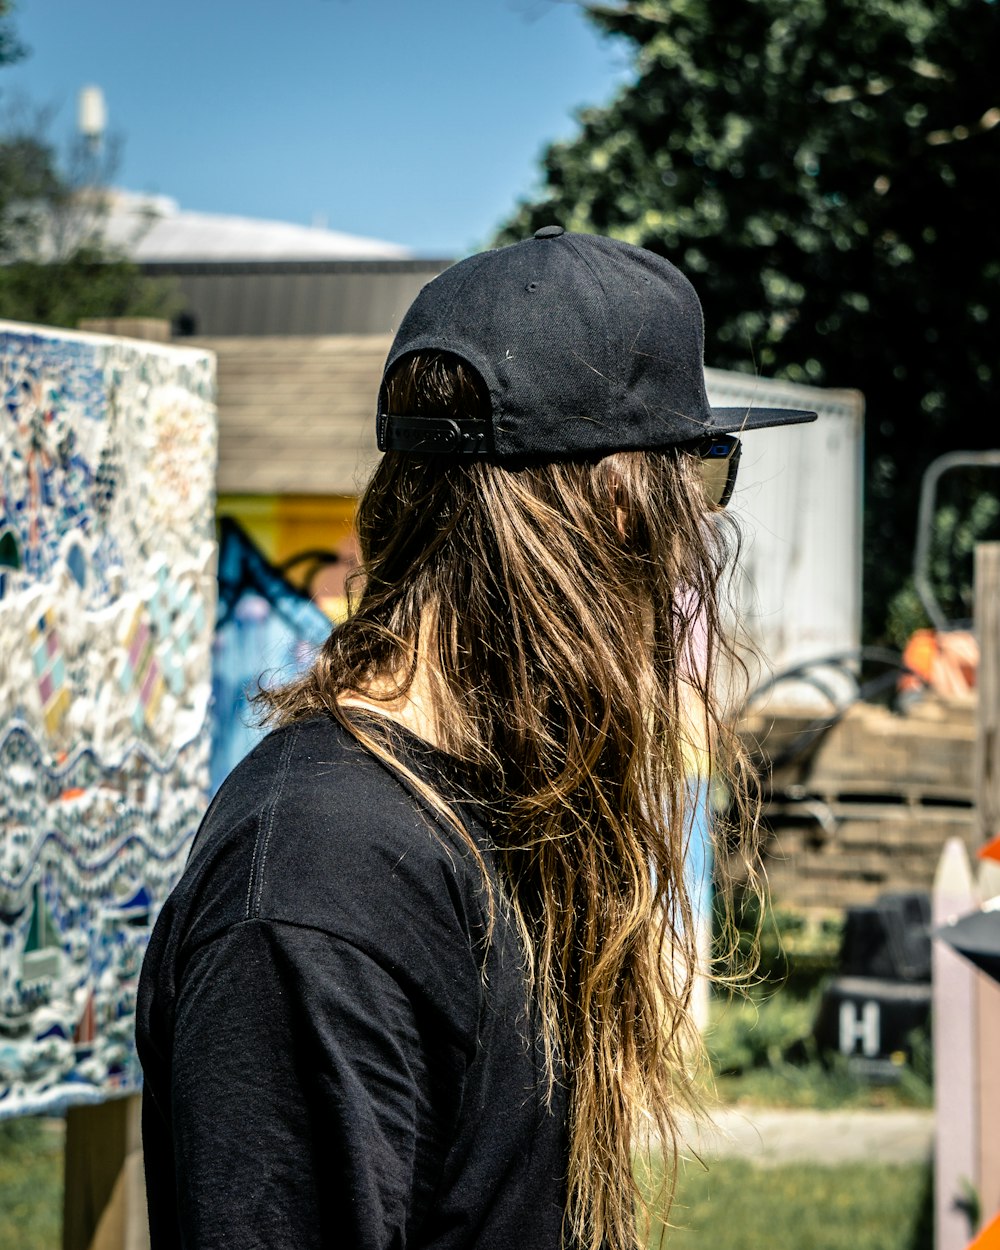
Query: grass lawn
[(861, 1206), (732, 1206), (31, 1184), (822, 1089)]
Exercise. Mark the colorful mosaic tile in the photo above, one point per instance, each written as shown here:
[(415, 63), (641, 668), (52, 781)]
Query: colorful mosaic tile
[(107, 592), (50, 672)]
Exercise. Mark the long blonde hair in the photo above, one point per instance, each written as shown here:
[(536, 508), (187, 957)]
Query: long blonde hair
[(558, 606)]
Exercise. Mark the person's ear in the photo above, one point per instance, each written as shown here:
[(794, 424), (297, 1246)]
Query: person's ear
[(616, 491)]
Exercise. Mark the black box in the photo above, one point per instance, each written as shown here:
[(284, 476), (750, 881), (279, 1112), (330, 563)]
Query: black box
[(869, 1020)]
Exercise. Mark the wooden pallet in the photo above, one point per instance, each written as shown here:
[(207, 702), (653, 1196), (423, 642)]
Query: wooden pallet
[(869, 750), (867, 806)]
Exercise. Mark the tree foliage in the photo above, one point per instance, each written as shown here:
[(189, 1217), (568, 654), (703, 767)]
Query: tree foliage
[(10, 49), (55, 266), (823, 170)]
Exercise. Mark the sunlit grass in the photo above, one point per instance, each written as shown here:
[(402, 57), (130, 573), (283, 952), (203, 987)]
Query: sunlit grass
[(31, 1184), (861, 1206)]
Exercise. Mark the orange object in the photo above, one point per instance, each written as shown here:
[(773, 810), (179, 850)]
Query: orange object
[(991, 850), (946, 662), (74, 792), (919, 655), (989, 1237)]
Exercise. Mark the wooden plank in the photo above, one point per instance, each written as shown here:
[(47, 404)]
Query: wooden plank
[(871, 750), (954, 1003)]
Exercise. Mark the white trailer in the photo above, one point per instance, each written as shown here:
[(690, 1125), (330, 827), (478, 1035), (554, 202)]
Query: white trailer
[(799, 503)]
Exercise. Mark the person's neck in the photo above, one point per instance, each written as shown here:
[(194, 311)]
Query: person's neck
[(414, 709)]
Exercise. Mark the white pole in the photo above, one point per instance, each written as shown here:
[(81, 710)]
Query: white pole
[(988, 1027), (955, 1065)]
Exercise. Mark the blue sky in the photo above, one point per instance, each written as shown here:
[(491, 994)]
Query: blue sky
[(416, 121)]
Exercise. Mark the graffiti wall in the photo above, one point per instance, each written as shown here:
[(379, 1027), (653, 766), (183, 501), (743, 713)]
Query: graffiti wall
[(107, 601), (267, 631), (284, 561), (309, 539)]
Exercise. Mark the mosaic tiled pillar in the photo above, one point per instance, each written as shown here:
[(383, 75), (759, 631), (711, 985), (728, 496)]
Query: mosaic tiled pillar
[(107, 597)]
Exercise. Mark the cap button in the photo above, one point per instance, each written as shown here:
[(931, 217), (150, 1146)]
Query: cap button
[(549, 232)]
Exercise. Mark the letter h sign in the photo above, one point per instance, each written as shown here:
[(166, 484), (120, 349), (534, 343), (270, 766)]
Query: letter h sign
[(860, 1026)]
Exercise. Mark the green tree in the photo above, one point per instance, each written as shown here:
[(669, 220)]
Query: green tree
[(823, 170), (55, 267), (10, 49)]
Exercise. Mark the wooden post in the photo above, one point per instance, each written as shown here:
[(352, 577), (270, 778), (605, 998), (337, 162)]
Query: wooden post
[(956, 1142), (104, 1201), (987, 781)]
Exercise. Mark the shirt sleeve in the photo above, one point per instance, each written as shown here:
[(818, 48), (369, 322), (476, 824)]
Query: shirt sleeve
[(313, 1098)]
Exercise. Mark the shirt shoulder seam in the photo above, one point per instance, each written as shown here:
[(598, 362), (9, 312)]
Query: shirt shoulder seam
[(265, 827)]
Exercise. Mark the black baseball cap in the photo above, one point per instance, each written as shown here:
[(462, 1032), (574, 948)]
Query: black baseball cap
[(586, 345)]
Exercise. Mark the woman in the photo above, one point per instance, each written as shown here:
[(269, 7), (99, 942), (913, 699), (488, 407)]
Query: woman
[(425, 980)]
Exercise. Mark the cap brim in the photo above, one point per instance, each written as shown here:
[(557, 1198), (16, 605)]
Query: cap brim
[(735, 420)]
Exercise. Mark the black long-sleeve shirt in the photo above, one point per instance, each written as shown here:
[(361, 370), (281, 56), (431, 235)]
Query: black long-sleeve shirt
[(334, 1054)]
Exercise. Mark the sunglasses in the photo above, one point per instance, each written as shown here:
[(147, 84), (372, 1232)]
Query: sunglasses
[(720, 458)]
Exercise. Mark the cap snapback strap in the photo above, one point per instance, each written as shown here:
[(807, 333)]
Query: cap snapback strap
[(434, 435)]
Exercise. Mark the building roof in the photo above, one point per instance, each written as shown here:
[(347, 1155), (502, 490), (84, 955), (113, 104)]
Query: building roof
[(153, 229)]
